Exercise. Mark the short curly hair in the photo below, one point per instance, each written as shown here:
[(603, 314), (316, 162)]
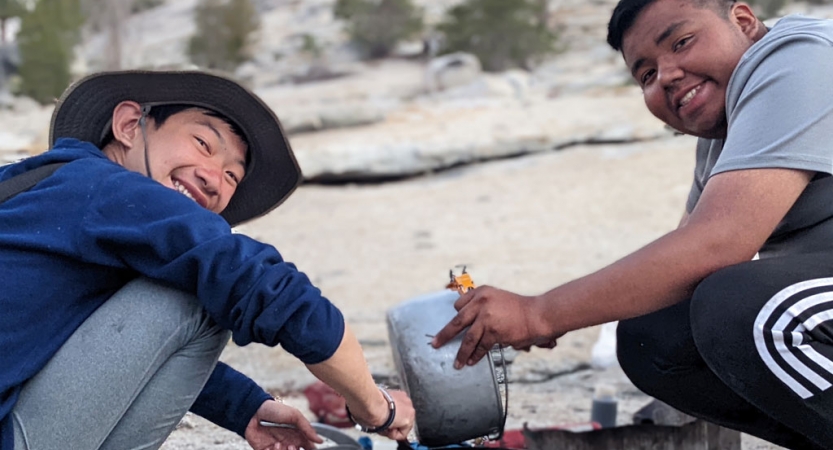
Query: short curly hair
[(626, 12)]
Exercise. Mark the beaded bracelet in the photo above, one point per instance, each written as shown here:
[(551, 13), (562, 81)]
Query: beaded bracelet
[(384, 426)]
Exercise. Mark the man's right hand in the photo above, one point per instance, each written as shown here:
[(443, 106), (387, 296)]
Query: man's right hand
[(489, 316), (405, 416), (403, 420)]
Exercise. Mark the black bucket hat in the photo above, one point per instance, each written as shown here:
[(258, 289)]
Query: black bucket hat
[(272, 174)]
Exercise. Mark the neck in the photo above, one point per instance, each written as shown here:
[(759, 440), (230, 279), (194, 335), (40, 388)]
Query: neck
[(114, 152), (760, 32)]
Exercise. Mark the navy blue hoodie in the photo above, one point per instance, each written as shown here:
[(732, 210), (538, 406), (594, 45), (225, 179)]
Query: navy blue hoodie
[(78, 236)]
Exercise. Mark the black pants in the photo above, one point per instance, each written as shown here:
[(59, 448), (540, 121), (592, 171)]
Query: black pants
[(751, 350)]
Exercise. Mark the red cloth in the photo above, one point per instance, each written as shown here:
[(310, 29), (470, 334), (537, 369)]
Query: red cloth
[(327, 405)]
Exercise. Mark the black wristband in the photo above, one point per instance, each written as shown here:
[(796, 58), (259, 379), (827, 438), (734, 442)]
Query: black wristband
[(384, 426)]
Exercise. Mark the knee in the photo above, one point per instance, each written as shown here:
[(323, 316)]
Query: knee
[(154, 296), (158, 303), (634, 350), (165, 311), (720, 311), (653, 355)]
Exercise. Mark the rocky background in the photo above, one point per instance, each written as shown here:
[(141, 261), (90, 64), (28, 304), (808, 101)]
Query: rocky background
[(530, 178)]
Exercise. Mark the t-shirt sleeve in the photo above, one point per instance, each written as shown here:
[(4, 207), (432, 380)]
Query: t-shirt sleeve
[(700, 175), (783, 117), (245, 286), (693, 196)]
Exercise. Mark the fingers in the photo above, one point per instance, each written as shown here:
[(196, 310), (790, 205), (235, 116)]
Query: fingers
[(404, 419), (469, 346), (465, 299), (290, 430), (463, 319), (396, 434), (305, 428), (550, 344), (483, 347)]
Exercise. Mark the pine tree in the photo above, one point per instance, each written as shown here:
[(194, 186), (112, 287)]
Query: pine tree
[(377, 26), (501, 33), (46, 40), (225, 34), (9, 9)]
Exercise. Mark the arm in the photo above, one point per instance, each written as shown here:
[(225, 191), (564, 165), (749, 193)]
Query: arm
[(683, 220), (244, 285), (346, 371), (235, 402), (766, 161), (735, 215), (136, 224)]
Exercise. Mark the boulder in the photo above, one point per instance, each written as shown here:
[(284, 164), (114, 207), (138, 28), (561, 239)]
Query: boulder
[(514, 84), (13, 142), (437, 135), (454, 69), (347, 115)]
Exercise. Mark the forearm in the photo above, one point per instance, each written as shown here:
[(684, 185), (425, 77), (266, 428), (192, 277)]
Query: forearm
[(654, 277), (346, 371)]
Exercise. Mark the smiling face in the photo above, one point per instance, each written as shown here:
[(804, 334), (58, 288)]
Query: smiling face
[(683, 56), (192, 152)]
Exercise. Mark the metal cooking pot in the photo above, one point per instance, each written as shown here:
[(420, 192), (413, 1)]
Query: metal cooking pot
[(451, 405), (334, 439)]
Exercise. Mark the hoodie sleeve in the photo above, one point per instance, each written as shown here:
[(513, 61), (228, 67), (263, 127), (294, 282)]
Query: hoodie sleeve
[(229, 399), (245, 285)]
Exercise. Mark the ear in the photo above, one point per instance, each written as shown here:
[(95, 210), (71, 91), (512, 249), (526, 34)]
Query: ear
[(126, 128), (742, 15)]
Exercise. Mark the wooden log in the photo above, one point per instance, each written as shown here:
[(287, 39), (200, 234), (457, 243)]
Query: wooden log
[(697, 435)]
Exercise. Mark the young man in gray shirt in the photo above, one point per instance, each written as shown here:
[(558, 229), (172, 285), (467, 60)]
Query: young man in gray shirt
[(745, 344)]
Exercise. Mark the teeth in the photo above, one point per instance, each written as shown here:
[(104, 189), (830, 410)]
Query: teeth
[(182, 190), (689, 96)]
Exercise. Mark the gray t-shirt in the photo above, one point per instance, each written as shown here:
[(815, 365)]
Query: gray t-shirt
[(779, 105)]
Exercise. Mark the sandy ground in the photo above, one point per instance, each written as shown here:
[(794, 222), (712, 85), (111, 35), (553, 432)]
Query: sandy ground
[(524, 224)]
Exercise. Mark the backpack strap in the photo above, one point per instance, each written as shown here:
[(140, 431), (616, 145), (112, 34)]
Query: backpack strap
[(26, 180)]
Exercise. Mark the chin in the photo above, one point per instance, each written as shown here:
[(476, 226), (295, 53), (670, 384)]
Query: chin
[(711, 130), (716, 132)]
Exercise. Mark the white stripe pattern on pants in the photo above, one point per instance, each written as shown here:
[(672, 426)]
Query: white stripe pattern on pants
[(778, 331)]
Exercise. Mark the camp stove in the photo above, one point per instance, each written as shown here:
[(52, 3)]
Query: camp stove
[(452, 406)]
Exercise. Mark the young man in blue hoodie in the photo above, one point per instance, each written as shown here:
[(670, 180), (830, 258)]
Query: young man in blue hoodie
[(744, 344), (121, 275)]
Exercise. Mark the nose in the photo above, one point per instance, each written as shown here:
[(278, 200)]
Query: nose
[(669, 72), (211, 178)]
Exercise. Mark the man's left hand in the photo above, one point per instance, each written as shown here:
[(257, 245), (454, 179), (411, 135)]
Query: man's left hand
[(301, 435)]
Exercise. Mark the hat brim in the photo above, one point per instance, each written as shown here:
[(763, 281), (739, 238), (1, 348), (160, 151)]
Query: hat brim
[(86, 108)]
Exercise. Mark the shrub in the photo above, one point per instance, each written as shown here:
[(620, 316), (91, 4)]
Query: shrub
[(501, 33), (46, 40), (377, 26), (768, 8), (225, 34), (138, 6), (9, 9)]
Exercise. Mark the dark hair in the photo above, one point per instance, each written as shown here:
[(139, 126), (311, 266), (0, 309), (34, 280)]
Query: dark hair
[(161, 113), (626, 12)]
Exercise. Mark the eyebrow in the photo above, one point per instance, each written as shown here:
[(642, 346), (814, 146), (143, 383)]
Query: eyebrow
[(662, 37), (210, 126), (669, 31)]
